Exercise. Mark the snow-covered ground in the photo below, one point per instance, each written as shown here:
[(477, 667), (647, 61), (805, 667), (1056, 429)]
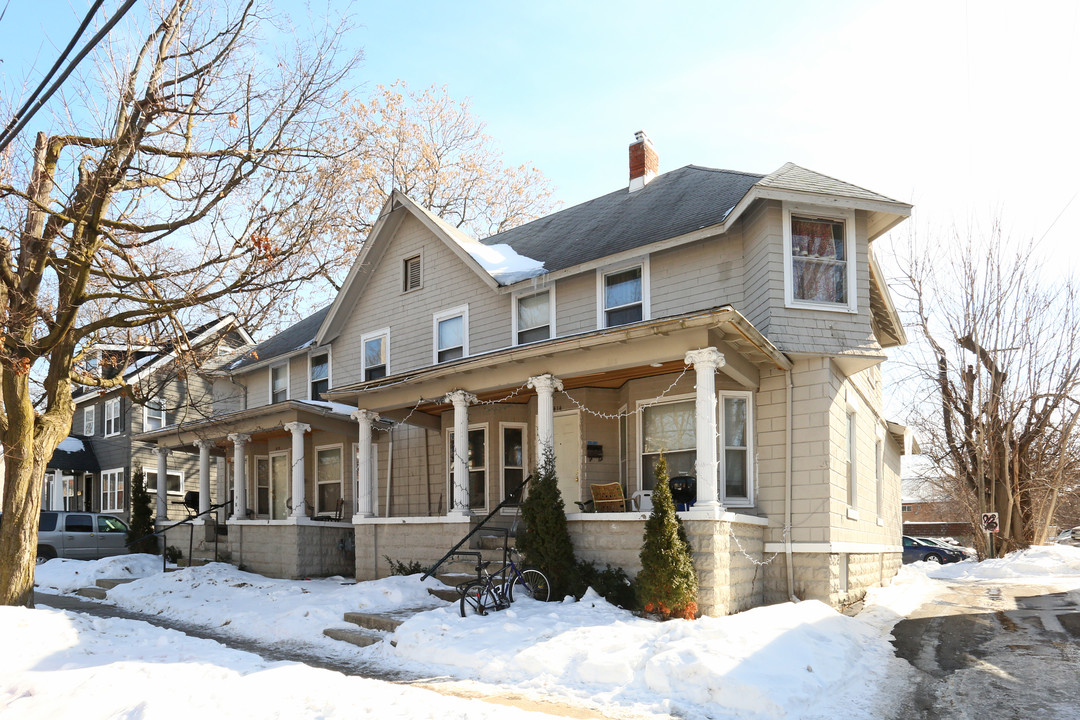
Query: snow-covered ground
[(801, 660)]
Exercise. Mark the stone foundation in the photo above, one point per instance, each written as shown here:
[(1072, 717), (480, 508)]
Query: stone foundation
[(287, 550), (424, 540), (834, 578)]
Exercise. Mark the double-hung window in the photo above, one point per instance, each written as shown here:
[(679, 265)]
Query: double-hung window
[(112, 417), (174, 481), (330, 478), (452, 334), (154, 415), (477, 463), (736, 450), (623, 295), (376, 351), (88, 416), (112, 490), (514, 461), (819, 269), (668, 428), (533, 317), (279, 383), (319, 368), (852, 459)]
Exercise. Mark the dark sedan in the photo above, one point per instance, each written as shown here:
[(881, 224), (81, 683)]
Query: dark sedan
[(916, 550)]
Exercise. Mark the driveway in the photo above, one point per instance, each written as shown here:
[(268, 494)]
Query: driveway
[(994, 651)]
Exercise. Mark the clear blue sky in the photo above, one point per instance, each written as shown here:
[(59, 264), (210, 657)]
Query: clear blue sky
[(967, 109)]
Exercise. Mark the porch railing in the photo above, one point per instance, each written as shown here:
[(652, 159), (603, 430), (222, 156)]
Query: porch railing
[(191, 533)]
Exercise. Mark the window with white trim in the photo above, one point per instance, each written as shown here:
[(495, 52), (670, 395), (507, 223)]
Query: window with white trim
[(329, 479), (174, 481), (89, 414), (623, 295), (411, 274), (736, 425), (514, 459), (376, 351), (451, 334), (879, 473), (318, 374), (533, 317), (112, 417), (820, 248), (477, 461), (668, 428), (154, 415), (279, 383), (112, 490)]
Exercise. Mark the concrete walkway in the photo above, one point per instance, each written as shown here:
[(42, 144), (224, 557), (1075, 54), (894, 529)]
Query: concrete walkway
[(306, 656)]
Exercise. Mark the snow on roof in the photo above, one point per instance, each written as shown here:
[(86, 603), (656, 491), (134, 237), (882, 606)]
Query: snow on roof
[(71, 444), (340, 408)]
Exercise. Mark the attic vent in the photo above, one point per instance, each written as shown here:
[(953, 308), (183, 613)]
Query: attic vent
[(411, 274)]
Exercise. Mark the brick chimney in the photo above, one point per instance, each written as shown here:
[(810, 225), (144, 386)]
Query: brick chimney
[(644, 162)]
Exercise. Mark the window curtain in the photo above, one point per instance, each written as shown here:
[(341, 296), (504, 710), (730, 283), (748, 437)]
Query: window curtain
[(819, 268)]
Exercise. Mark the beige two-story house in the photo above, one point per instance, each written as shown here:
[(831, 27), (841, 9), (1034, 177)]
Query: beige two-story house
[(734, 322)]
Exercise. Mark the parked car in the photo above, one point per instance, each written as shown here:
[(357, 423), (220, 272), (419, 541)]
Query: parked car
[(944, 542), (80, 536), (916, 550), (1068, 537)]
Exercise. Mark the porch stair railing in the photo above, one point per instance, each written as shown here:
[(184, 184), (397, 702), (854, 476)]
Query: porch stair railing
[(191, 533), (514, 497)]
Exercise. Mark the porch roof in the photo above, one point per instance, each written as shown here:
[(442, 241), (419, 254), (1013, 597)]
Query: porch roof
[(593, 358), (261, 421)]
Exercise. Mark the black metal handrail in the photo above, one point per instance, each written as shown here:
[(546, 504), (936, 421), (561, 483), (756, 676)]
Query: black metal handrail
[(513, 497), (191, 534)]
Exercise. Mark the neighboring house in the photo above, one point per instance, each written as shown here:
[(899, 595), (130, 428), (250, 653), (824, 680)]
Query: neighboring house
[(92, 468), (928, 511), (736, 322)]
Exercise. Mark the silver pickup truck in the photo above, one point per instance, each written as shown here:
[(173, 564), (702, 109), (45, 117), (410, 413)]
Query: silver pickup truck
[(80, 535)]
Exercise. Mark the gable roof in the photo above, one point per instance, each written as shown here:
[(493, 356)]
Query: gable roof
[(673, 204), (296, 337)]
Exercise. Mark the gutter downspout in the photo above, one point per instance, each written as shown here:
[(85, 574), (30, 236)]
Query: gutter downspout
[(787, 489)]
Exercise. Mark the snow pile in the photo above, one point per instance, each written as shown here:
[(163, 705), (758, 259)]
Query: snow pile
[(503, 263), (71, 444), (70, 665), (761, 663), (1043, 561), (910, 588), (69, 575), (266, 609)]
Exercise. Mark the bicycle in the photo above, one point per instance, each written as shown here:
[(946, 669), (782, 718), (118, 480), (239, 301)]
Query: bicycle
[(496, 591)]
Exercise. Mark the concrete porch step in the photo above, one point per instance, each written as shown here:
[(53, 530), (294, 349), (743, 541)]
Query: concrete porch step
[(354, 637), (448, 593), (110, 583), (92, 592)]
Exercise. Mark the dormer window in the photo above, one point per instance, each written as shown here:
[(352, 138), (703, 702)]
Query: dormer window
[(819, 251), (411, 275)]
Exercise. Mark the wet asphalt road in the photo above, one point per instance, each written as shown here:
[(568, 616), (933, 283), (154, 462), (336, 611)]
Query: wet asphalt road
[(994, 651)]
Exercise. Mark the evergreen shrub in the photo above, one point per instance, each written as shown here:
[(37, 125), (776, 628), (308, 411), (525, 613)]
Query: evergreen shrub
[(545, 539), (142, 524), (667, 584)]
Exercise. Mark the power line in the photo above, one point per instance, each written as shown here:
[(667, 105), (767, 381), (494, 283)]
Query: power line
[(52, 71), (10, 133)]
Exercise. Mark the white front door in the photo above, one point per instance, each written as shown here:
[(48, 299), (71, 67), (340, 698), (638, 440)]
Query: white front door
[(568, 458)]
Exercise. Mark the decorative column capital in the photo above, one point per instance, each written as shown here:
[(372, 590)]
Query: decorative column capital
[(706, 358), (240, 439), (297, 428), (204, 444), (460, 398), (163, 451), (362, 416), (546, 383)]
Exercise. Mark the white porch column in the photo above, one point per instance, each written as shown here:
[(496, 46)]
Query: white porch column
[(461, 401), (545, 385), (705, 362), (162, 482), (365, 495), (239, 440), (299, 502), (204, 475), (57, 499)]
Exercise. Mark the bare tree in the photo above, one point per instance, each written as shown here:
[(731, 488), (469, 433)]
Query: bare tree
[(197, 190), (1001, 369)]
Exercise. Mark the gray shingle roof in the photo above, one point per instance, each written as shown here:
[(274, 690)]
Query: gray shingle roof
[(294, 337), (794, 177), (673, 204)]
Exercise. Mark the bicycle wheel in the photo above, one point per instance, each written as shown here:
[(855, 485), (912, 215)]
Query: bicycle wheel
[(531, 584), (477, 599)]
